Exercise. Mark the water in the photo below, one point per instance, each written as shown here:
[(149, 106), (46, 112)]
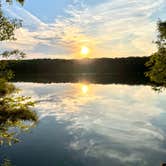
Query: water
[(83, 124)]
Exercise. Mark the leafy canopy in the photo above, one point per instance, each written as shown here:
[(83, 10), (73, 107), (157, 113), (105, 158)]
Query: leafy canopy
[(157, 62)]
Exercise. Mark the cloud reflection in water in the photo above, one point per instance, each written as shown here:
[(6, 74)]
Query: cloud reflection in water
[(111, 121)]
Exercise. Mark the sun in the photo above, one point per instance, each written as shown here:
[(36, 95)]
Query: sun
[(84, 89), (85, 51)]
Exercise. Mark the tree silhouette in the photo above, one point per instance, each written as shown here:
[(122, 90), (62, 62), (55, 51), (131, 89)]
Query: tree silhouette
[(157, 62)]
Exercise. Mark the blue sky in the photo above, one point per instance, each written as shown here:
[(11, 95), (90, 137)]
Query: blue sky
[(48, 10), (109, 28)]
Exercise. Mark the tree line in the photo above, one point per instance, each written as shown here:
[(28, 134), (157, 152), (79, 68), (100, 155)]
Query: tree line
[(130, 65)]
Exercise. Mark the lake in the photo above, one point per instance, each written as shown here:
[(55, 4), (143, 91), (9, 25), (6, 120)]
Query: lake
[(87, 124)]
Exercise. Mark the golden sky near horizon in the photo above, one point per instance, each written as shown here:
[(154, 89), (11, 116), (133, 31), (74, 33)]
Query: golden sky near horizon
[(78, 29)]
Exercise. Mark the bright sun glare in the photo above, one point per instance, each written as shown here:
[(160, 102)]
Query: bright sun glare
[(84, 89), (84, 51)]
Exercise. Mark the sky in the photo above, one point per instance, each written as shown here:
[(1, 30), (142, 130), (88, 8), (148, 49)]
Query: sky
[(109, 28)]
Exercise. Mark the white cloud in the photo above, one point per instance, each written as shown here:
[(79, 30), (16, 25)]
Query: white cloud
[(112, 28), (111, 121)]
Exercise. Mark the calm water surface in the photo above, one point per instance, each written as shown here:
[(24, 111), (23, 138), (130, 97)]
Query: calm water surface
[(92, 125)]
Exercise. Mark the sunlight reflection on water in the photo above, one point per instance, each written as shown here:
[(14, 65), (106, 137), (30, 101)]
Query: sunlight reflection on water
[(117, 122), (85, 89)]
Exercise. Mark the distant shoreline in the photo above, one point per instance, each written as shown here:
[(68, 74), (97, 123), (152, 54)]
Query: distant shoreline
[(98, 66), (103, 71)]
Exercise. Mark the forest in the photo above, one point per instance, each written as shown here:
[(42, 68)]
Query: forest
[(131, 65)]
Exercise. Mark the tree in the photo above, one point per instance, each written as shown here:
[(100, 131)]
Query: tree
[(7, 28), (157, 62), (14, 111)]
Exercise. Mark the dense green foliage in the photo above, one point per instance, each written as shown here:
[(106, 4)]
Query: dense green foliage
[(14, 113), (157, 62)]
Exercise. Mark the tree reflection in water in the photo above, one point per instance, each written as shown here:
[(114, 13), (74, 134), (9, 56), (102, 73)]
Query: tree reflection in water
[(6, 162), (16, 115), (15, 112)]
